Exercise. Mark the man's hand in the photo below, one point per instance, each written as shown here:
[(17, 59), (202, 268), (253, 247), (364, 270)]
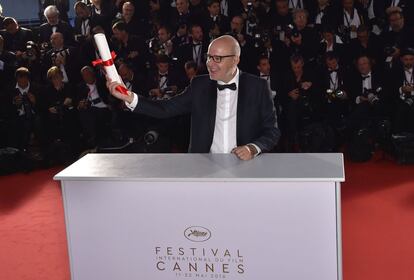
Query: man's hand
[(407, 89), (32, 98), (294, 94), (112, 89), (18, 100), (306, 85), (245, 152)]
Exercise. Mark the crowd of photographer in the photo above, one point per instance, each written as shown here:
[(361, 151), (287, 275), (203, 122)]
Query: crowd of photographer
[(339, 71)]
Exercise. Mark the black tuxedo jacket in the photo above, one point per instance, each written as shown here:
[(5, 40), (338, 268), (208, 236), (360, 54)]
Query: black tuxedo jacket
[(17, 42), (256, 119), (355, 86), (46, 30)]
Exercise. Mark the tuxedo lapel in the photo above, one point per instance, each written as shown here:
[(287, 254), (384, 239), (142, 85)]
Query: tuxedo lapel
[(242, 92), (211, 109)]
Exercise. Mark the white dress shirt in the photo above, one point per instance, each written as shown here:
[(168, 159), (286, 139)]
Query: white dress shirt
[(23, 91), (225, 128), (366, 84), (225, 135), (409, 80), (350, 21), (267, 78), (93, 94)]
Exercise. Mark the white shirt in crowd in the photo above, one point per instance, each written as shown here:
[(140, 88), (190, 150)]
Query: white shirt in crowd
[(352, 21), (93, 94), (23, 91)]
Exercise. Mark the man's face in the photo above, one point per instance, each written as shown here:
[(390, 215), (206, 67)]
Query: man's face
[(214, 9), (347, 4), (163, 35), (282, 8), (81, 12), (190, 72), (224, 70), (332, 64), (128, 10), (163, 67), (408, 61), (264, 66), (296, 66), (363, 36), (364, 65), (22, 81), (124, 72), (182, 6), (52, 19), (300, 20), (56, 40), (197, 33), (88, 76), (118, 34), (236, 24), (396, 22), (323, 2), (12, 28), (328, 36)]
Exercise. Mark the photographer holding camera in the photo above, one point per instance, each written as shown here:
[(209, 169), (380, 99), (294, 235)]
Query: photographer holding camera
[(334, 81), (61, 56), (369, 96), (301, 38), (404, 88), (23, 99), (61, 111), (301, 103)]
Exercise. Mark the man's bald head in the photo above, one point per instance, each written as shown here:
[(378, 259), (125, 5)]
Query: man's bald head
[(227, 42)]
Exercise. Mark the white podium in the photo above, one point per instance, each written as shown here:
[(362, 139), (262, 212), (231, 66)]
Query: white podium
[(204, 216)]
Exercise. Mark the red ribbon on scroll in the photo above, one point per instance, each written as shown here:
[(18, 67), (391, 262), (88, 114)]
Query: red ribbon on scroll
[(108, 63)]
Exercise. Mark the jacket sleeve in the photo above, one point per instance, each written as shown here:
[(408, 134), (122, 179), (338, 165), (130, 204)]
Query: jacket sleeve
[(270, 133), (162, 109)]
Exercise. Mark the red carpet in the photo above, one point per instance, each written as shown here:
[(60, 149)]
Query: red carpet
[(378, 224)]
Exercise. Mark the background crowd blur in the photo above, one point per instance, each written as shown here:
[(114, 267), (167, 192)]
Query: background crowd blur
[(340, 72)]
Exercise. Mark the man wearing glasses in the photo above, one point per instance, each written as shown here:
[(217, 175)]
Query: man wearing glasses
[(231, 111)]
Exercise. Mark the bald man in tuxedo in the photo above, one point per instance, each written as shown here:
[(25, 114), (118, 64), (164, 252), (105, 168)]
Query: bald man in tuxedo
[(231, 111)]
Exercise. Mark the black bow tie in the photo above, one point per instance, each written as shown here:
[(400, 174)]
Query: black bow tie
[(365, 77), (333, 71), (264, 76), (163, 75), (229, 86), (196, 44)]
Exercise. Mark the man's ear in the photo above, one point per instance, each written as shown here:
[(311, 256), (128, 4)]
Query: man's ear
[(237, 60)]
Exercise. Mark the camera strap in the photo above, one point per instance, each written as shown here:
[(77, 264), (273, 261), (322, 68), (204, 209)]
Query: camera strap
[(298, 4), (334, 84), (409, 81), (349, 18)]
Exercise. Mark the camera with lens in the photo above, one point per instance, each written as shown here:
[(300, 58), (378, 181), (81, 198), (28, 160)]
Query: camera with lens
[(389, 51), (260, 39), (62, 53), (80, 38), (30, 50), (372, 94), (409, 101), (335, 94), (292, 31), (151, 137), (168, 90)]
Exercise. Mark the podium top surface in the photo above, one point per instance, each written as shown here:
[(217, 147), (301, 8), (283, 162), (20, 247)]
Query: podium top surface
[(205, 167)]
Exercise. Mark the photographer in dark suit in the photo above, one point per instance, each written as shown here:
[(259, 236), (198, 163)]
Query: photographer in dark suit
[(368, 96), (54, 24), (230, 111), (403, 88), (93, 109), (15, 37)]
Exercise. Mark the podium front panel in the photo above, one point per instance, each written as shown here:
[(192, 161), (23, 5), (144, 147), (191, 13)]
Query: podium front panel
[(148, 230)]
